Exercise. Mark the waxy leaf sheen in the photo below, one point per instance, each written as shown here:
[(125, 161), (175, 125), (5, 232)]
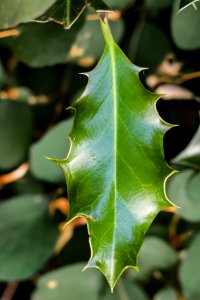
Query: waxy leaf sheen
[(115, 169)]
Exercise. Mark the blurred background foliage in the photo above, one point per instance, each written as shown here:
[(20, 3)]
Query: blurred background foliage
[(40, 66)]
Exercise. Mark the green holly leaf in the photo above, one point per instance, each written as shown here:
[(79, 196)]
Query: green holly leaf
[(115, 169), (67, 12), (13, 12), (186, 3)]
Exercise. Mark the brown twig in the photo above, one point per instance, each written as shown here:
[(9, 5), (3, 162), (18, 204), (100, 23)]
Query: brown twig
[(9, 291), (188, 76), (14, 175)]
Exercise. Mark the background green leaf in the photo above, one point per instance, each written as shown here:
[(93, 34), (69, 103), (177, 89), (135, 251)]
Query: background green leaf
[(118, 4), (54, 143), (62, 283), (187, 197), (142, 48), (67, 12), (157, 4), (125, 290), (189, 271), (49, 44), (30, 236), (155, 254), (16, 124), (90, 34), (186, 37), (166, 294), (13, 12), (68, 282)]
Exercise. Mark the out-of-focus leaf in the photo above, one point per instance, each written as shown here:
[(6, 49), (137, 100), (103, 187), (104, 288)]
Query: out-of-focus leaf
[(184, 27), (54, 143), (67, 12), (142, 48), (154, 254), (68, 283), (116, 131), (125, 290), (62, 283), (166, 294), (190, 156), (13, 12), (157, 4), (89, 42), (15, 133), (28, 236), (184, 190), (189, 271), (44, 44), (186, 3), (118, 4)]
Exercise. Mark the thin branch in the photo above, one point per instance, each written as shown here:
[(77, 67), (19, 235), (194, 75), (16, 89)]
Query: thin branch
[(14, 175), (9, 291)]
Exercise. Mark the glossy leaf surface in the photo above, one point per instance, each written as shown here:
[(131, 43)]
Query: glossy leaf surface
[(13, 12), (67, 12), (115, 170)]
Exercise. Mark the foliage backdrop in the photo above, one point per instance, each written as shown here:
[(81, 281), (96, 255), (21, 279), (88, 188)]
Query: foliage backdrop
[(40, 65)]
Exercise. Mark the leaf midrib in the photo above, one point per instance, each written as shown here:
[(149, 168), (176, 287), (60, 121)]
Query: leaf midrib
[(114, 93)]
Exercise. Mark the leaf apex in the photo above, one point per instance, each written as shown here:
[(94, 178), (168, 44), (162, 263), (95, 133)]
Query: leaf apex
[(112, 280)]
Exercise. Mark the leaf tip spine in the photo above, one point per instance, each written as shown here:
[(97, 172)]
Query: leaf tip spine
[(87, 74)]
